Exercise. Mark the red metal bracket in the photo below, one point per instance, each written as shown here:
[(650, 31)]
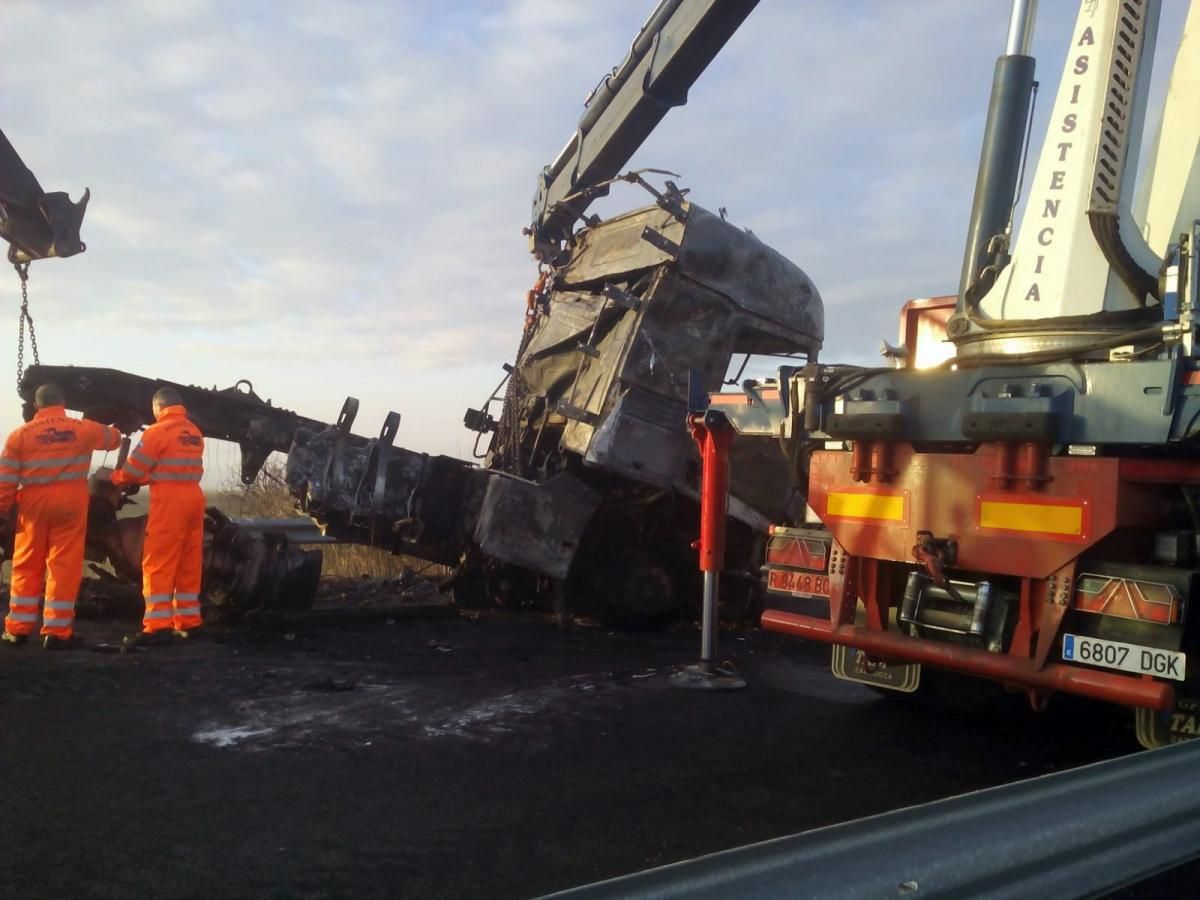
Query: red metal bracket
[(1055, 594), (843, 586)]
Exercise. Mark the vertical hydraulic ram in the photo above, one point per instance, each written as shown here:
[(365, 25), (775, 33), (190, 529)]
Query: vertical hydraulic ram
[(999, 161)]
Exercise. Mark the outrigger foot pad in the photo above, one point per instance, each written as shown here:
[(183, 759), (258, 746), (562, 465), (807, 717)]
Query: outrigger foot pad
[(709, 677)]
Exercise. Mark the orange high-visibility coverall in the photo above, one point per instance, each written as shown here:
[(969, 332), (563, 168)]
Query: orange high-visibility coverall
[(44, 468), (170, 458)]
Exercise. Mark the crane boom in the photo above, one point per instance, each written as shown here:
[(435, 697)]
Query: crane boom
[(1078, 250), (35, 223), (670, 51)]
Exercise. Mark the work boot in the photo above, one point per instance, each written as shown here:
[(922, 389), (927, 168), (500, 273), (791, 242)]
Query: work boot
[(54, 642), (188, 634), (146, 639), (14, 640)]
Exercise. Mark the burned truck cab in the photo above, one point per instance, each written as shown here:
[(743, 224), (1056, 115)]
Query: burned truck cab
[(646, 299), (641, 303)]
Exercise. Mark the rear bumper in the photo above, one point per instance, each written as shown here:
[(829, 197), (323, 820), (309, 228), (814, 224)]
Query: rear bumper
[(1127, 690)]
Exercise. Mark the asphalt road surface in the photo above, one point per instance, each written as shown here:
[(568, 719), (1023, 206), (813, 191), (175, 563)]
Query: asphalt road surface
[(486, 757)]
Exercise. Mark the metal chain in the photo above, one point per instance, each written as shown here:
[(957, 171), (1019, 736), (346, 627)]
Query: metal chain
[(23, 273)]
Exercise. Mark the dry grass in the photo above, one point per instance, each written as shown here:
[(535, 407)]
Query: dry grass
[(268, 498)]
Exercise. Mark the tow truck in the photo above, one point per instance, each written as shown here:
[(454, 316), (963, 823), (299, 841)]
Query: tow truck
[(1015, 494)]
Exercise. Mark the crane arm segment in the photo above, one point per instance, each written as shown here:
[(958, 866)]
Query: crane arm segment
[(676, 44), (36, 224)]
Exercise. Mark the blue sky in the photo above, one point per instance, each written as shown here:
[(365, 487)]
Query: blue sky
[(328, 198)]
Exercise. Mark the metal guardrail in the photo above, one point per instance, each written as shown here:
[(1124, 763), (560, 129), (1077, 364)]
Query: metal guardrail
[(1078, 833)]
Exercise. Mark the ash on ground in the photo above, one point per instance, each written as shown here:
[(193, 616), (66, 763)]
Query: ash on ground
[(366, 592)]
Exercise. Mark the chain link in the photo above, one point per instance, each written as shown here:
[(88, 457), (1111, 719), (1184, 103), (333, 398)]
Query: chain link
[(23, 273)]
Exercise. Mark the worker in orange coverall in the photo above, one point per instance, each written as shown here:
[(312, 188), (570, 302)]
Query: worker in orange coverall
[(44, 470), (169, 458)]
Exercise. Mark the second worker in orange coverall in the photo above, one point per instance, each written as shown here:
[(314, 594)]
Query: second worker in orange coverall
[(169, 458), (44, 470)]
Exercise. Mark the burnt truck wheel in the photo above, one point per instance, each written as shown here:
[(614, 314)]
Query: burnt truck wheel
[(471, 592), (502, 587), (636, 591), (298, 585)]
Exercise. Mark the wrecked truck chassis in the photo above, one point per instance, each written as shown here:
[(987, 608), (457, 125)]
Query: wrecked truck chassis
[(360, 491), (588, 494), (509, 538)]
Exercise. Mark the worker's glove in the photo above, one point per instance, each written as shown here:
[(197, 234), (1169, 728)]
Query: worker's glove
[(127, 489)]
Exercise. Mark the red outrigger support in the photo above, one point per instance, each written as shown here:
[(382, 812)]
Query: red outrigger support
[(713, 435)]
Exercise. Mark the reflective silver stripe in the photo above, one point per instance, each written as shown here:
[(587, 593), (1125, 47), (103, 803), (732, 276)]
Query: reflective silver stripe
[(136, 468), (24, 602), (159, 614), (182, 461), (141, 458), (175, 476), (23, 617), (179, 596), (79, 466), (50, 479), (159, 598), (53, 462), (9, 479), (60, 605), (9, 462)]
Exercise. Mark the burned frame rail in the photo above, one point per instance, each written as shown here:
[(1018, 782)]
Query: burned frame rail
[(235, 414), (361, 490)]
